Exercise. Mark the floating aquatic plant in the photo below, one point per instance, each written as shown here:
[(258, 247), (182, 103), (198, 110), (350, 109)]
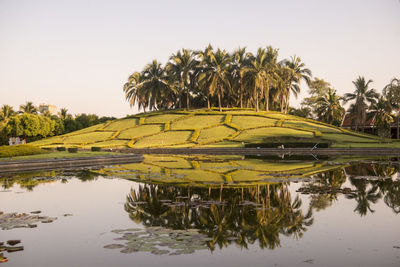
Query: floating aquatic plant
[(160, 241)]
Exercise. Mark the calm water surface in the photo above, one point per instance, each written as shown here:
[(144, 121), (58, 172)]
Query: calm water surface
[(324, 214)]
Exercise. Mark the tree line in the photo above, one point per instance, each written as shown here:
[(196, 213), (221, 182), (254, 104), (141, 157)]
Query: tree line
[(210, 78), (194, 79), (31, 124)]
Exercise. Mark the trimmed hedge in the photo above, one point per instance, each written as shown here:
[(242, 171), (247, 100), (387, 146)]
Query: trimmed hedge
[(73, 150), (95, 149), (20, 150), (61, 148)]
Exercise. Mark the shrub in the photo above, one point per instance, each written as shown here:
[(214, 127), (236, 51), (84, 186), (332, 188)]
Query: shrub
[(73, 150), (96, 148), (61, 148), (20, 150)]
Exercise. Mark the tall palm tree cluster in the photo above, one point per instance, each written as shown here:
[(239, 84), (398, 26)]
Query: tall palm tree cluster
[(217, 78)]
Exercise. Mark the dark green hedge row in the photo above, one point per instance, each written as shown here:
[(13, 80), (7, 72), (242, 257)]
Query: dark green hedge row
[(96, 149), (289, 145), (20, 150)]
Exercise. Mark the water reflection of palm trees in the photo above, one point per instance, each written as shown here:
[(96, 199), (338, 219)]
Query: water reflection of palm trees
[(241, 216)]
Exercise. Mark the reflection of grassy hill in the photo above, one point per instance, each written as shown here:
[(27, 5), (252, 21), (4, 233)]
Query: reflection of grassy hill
[(210, 128), (231, 171)]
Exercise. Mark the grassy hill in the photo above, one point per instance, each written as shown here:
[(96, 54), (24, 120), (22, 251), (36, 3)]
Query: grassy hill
[(211, 128)]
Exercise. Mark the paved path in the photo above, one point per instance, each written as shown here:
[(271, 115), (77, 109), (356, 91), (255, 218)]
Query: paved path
[(63, 163)]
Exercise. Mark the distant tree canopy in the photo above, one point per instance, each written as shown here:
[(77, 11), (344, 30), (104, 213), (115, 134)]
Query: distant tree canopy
[(34, 126), (217, 78)]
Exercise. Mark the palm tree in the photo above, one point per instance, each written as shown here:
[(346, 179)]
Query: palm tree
[(6, 112), (362, 96), (150, 89), (392, 93), (216, 74), (133, 91), (329, 109), (297, 72), (63, 113), (256, 75), (202, 81), (382, 111), (181, 67), (239, 61), (28, 108)]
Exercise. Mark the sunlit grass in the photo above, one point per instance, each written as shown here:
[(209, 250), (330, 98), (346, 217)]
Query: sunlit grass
[(197, 122), (163, 139), (246, 122), (140, 131), (119, 125), (88, 137)]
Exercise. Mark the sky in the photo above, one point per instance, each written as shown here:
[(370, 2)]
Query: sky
[(77, 54)]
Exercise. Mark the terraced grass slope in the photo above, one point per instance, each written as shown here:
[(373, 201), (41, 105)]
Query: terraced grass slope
[(211, 128)]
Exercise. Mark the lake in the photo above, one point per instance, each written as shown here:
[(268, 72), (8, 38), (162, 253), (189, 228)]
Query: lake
[(207, 210)]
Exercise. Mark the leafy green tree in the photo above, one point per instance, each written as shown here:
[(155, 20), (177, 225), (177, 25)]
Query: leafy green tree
[(392, 93), (317, 88), (30, 125), (363, 97)]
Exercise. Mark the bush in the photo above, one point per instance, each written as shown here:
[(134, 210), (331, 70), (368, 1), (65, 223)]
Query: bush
[(20, 150), (61, 148), (96, 148), (73, 150)]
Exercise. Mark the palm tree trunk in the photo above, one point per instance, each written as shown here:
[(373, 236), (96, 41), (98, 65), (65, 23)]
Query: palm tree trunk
[(219, 102), (241, 93), (187, 99), (208, 101), (398, 126), (267, 96)]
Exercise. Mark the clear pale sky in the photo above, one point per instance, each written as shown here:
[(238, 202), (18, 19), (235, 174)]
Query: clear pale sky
[(78, 53)]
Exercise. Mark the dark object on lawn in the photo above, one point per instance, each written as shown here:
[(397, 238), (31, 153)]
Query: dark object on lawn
[(61, 148), (72, 149), (96, 148)]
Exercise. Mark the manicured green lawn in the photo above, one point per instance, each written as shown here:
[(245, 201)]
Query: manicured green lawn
[(140, 131), (164, 139), (259, 134), (88, 137), (246, 122), (163, 118), (216, 133), (121, 124), (197, 122)]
